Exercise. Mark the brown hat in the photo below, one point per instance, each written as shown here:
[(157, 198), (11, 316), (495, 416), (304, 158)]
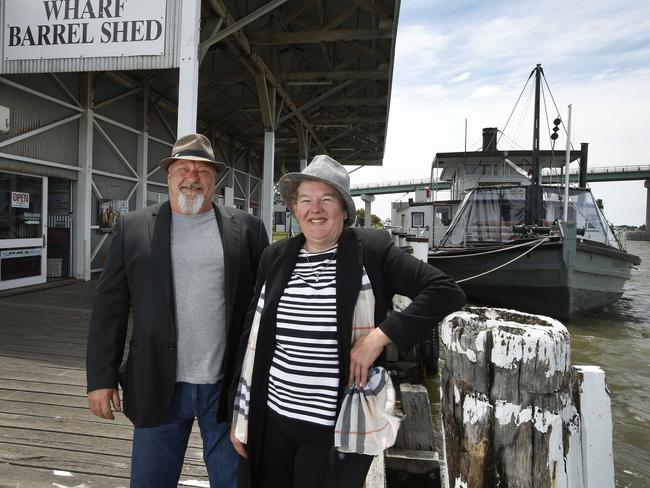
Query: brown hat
[(193, 147)]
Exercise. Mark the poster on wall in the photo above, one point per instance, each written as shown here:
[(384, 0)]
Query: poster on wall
[(109, 213), (51, 29), (19, 199)]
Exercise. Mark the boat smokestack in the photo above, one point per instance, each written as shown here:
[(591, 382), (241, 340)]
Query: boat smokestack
[(490, 138)]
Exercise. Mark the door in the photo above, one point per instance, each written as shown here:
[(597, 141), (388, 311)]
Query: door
[(23, 221)]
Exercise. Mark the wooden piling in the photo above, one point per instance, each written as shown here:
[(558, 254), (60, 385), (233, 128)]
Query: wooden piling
[(509, 414)]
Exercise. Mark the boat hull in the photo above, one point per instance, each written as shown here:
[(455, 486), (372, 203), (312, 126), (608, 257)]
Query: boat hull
[(543, 281)]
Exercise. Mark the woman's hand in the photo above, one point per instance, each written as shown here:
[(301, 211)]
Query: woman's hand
[(363, 355), (239, 446)]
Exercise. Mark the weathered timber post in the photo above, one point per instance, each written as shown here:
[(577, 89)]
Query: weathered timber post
[(508, 401)]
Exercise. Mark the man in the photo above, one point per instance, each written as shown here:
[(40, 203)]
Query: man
[(187, 267)]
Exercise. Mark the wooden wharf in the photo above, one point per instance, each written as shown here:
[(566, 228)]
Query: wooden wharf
[(48, 437)]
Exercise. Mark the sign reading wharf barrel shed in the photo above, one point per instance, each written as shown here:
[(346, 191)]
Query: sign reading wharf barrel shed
[(48, 29)]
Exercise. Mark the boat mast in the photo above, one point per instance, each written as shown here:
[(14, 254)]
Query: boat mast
[(534, 202), (535, 171)]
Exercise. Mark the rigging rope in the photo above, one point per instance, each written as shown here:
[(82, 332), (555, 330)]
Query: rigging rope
[(539, 243), (501, 249)]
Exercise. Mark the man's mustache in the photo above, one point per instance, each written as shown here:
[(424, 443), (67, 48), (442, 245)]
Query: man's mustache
[(191, 186)]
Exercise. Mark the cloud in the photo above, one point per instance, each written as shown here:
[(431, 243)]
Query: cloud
[(461, 77), (485, 91), (463, 60)]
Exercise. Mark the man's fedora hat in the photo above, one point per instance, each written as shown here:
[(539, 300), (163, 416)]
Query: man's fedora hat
[(325, 169), (193, 147)]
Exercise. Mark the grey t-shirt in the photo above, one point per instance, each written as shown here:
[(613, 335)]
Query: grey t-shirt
[(198, 271)]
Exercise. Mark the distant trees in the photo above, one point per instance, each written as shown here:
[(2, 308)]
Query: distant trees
[(375, 221)]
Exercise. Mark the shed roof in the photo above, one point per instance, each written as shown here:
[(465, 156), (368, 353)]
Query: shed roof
[(329, 64)]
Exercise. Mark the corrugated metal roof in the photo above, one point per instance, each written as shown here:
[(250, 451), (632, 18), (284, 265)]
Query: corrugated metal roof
[(168, 60)]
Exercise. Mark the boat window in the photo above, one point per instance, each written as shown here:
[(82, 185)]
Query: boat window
[(443, 215), (417, 219), (470, 168), (486, 217), (583, 210)]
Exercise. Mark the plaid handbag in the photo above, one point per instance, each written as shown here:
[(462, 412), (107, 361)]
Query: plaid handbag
[(367, 423)]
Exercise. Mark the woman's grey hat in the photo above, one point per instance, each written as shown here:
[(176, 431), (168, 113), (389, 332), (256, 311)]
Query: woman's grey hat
[(193, 147), (325, 169)]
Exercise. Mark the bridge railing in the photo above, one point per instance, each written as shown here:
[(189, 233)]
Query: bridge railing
[(384, 184), (630, 168)]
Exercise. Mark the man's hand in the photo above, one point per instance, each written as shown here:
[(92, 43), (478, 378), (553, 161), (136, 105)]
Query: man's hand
[(239, 446), (100, 402), (363, 354)]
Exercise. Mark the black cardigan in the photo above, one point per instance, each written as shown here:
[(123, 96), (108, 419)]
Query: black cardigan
[(391, 271)]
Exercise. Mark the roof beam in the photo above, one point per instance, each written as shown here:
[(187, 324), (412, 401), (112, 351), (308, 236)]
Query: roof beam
[(316, 100), (310, 37), (374, 7), (265, 103), (354, 102), (243, 22), (379, 74), (255, 63)]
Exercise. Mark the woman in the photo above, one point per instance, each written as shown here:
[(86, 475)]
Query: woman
[(302, 357)]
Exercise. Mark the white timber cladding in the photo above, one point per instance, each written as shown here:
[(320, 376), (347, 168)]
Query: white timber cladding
[(88, 35), (103, 133)]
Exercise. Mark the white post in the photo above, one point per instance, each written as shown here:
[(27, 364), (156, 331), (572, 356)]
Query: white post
[(248, 181), (188, 75), (595, 427), (83, 203), (368, 217), (266, 205), (566, 167), (143, 149), (303, 164), (646, 184), (228, 197)]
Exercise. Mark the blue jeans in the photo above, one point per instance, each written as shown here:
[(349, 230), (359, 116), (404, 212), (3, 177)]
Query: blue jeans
[(158, 452)]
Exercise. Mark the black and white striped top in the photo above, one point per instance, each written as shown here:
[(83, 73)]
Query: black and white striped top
[(304, 376)]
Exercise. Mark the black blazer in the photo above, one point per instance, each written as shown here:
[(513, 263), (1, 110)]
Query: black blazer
[(138, 272), (391, 271)]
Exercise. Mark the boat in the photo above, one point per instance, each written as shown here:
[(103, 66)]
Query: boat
[(521, 237)]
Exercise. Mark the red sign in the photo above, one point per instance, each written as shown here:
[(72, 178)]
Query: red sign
[(19, 200)]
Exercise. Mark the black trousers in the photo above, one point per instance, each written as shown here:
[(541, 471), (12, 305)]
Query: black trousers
[(301, 455)]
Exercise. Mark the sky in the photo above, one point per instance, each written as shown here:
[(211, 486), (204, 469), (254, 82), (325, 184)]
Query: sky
[(469, 60)]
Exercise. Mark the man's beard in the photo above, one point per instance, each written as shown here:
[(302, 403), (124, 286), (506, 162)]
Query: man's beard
[(190, 205)]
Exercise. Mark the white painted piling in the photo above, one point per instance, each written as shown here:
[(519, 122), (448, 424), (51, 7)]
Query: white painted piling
[(395, 237), (420, 246), (514, 412), (595, 425)]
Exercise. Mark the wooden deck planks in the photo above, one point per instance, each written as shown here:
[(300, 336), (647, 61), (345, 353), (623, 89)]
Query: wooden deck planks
[(48, 437)]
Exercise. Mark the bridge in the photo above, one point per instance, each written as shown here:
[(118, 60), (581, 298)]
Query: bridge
[(600, 174)]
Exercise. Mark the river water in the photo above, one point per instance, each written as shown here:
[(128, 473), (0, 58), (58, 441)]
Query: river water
[(617, 339)]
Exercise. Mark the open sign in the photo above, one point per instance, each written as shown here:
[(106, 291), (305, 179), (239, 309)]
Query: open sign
[(19, 199)]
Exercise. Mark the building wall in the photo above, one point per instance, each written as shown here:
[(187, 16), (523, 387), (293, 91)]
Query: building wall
[(127, 139)]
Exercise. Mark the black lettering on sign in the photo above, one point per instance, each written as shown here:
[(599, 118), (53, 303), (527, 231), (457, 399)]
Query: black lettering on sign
[(44, 35), (28, 38), (14, 35), (154, 30)]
